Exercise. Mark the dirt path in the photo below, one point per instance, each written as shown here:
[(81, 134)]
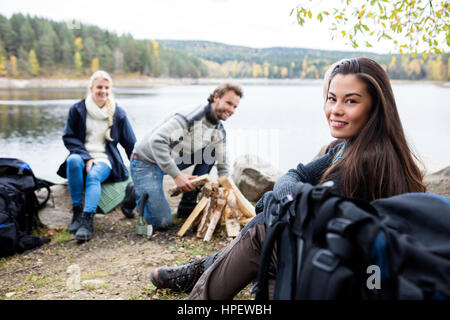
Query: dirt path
[(116, 263)]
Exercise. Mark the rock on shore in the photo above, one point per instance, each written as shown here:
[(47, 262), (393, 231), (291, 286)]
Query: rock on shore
[(439, 182)]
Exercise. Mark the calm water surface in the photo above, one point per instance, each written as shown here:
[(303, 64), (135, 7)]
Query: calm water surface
[(283, 124)]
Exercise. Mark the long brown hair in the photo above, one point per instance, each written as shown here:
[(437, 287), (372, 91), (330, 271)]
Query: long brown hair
[(378, 159)]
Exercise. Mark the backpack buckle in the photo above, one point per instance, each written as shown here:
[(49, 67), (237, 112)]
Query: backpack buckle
[(325, 260), (320, 192), (338, 225)]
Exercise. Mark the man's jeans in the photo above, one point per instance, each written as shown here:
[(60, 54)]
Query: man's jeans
[(75, 175), (149, 178)]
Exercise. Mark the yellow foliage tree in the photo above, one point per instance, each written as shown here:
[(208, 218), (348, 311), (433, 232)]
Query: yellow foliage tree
[(78, 63), (94, 64), (436, 69), (235, 68), (78, 44), (257, 70), (275, 69), (414, 67), (284, 72), (448, 68), (13, 65), (3, 71), (33, 63), (155, 49)]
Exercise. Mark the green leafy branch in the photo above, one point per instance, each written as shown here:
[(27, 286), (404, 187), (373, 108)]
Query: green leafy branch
[(412, 26)]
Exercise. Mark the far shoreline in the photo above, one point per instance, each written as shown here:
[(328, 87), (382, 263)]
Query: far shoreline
[(142, 82)]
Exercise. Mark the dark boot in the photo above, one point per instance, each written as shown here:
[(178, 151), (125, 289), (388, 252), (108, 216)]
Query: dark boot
[(129, 202), (86, 229), (76, 218), (188, 203), (182, 278)]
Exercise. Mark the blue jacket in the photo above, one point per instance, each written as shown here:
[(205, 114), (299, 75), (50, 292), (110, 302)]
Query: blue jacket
[(74, 136)]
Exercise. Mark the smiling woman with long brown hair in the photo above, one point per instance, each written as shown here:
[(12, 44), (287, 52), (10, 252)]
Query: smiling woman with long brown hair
[(373, 161), (377, 161)]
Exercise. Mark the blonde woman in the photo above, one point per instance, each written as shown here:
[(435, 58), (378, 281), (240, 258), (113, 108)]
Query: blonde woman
[(94, 127)]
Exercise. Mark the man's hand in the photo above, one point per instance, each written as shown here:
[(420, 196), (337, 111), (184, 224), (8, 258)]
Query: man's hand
[(183, 182), (89, 164)]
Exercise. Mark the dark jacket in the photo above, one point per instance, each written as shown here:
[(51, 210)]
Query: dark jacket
[(312, 173), (74, 137)]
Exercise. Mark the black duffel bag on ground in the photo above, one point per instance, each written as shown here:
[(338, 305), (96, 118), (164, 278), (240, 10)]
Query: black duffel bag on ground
[(19, 207)]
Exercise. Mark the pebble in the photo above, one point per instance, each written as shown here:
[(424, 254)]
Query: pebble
[(10, 294), (93, 282)]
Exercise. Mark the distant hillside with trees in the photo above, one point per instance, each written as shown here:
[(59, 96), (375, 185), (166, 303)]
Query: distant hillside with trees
[(33, 46), (239, 61)]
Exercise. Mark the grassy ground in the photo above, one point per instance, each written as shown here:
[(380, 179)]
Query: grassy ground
[(116, 262)]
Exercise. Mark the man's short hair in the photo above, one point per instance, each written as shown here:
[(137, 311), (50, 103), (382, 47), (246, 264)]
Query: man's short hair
[(224, 88)]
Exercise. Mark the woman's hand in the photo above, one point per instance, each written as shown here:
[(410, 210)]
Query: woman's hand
[(89, 164), (183, 182)]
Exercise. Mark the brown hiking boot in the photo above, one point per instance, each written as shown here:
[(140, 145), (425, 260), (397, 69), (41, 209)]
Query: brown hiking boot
[(180, 278)]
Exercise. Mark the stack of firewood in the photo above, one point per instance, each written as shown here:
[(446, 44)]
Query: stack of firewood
[(221, 204)]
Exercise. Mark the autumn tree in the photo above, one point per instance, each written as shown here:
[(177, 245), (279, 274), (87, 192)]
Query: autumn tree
[(410, 26), (13, 65), (3, 71), (33, 63), (78, 63), (94, 65)]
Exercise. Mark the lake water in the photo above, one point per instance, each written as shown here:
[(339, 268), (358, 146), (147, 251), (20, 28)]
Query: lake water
[(282, 123)]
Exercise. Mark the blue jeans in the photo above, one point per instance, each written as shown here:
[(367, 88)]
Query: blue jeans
[(149, 178), (75, 175)]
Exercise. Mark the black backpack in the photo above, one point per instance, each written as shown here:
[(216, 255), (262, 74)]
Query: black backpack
[(330, 247), (19, 207)]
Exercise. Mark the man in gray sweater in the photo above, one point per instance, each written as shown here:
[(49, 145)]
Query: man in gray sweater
[(191, 137)]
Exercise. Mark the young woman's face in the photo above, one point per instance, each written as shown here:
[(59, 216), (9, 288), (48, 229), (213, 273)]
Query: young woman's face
[(348, 106), (100, 91)]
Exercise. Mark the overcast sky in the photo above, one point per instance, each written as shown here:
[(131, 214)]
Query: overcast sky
[(254, 23)]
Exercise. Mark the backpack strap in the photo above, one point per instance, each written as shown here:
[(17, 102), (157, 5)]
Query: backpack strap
[(289, 258), (39, 185), (325, 213), (302, 212), (5, 198), (260, 286)]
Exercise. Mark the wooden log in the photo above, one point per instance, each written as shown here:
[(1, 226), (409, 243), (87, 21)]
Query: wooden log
[(201, 229), (242, 203), (231, 221), (207, 190), (225, 212), (197, 210), (200, 215), (201, 180), (214, 219), (231, 200), (232, 226)]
